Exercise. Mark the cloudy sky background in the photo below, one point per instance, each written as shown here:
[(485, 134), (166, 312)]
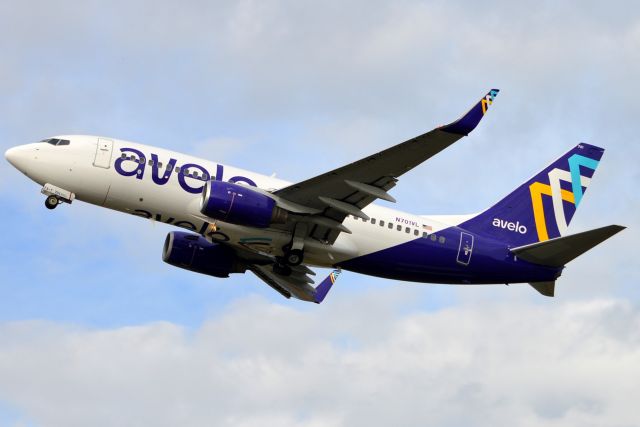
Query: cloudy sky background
[(96, 330)]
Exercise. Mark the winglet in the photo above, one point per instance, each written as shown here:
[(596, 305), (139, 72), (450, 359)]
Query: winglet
[(323, 288), (468, 122)]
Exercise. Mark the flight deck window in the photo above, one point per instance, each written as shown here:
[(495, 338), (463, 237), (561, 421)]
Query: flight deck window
[(63, 142), (52, 141)]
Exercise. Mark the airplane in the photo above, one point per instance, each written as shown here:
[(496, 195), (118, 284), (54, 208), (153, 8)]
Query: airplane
[(241, 221)]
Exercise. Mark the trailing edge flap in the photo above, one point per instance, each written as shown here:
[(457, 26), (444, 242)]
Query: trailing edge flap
[(559, 251), (545, 288)]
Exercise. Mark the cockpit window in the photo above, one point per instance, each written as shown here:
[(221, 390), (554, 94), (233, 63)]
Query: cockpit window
[(56, 141)]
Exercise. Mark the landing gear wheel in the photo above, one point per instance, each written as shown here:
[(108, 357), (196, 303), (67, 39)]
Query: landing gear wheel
[(281, 269), (51, 202), (294, 257)]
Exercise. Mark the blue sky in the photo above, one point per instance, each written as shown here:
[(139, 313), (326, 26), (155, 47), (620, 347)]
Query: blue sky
[(87, 308)]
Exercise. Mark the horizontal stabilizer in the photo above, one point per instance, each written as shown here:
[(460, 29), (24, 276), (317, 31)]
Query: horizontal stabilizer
[(545, 288), (559, 251)]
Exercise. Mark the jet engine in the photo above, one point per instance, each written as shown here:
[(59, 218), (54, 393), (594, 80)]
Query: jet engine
[(239, 204), (194, 252)]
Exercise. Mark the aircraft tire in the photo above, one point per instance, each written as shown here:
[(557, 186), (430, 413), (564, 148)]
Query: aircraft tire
[(294, 257), (282, 269), (51, 202)]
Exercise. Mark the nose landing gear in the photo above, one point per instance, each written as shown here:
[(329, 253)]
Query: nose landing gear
[(56, 195)]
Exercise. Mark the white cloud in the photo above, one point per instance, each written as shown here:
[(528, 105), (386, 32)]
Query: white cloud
[(341, 364)]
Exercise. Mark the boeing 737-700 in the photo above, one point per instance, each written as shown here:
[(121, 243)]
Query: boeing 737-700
[(240, 221)]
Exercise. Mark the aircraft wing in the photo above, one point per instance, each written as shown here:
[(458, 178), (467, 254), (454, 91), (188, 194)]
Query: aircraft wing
[(348, 189), (297, 284)]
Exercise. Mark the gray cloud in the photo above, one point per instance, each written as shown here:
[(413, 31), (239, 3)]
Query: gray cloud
[(256, 363)]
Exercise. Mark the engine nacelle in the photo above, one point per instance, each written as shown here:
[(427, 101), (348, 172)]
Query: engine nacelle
[(194, 252), (240, 205)]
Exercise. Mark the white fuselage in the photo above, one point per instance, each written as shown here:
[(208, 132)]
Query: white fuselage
[(95, 174)]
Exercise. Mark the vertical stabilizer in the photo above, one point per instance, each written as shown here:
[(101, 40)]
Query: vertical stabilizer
[(541, 208)]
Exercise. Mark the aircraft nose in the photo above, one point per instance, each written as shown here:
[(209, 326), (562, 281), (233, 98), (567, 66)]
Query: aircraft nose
[(18, 157), (12, 155)]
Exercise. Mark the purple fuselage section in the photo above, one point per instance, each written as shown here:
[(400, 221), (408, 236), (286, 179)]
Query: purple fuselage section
[(452, 262)]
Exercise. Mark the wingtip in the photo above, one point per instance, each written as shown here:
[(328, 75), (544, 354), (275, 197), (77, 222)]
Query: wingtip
[(468, 122), (323, 288)]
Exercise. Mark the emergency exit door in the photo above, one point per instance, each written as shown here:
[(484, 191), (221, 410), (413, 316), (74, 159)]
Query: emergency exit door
[(465, 249), (103, 153)]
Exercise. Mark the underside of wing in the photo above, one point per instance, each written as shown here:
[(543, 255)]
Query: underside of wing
[(297, 284)]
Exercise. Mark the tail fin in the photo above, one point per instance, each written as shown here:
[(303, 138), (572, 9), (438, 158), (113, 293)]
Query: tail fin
[(541, 208)]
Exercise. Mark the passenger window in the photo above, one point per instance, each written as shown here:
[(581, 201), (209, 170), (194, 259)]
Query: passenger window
[(416, 232), (170, 167), (123, 156), (441, 239), (407, 230), (159, 165), (373, 220), (177, 169), (424, 234), (433, 237), (194, 174), (205, 177), (141, 161), (150, 162), (399, 227), (390, 225), (381, 223)]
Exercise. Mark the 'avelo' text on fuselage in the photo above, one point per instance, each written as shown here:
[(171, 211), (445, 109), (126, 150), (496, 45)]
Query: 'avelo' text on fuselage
[(133, 162)]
